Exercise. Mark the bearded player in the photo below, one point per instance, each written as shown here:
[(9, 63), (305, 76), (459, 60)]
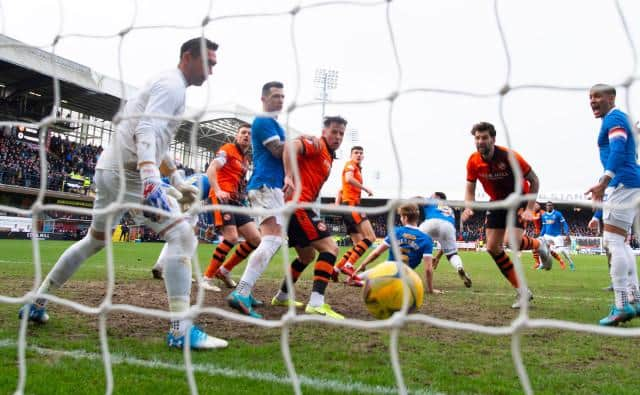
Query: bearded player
[(490, 165)]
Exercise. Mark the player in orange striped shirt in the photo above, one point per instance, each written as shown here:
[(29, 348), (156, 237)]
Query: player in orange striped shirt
[(227, 176), (307, 232), (490, 165), (358, 225)]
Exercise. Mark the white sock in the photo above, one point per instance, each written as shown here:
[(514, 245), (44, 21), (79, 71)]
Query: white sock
[(163, 253), (619, 267), (258, 262), (456, 262), (316, 300), (223, 270), (634, 292), (181, 245), (68, 264)]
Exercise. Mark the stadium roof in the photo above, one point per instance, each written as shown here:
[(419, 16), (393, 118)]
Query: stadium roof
[(28, 70)]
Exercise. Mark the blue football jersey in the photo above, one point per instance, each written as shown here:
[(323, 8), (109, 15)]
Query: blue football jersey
[(267, 169), (553, 224), (413, 244), (433, 210), (617, 146)]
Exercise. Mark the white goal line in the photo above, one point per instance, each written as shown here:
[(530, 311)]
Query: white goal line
[(216, 370)]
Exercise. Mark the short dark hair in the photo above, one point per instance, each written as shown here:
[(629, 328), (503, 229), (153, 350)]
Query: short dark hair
[(604, 88), (334, 119), (410, 210), (483, 127), (440, 195), (243, 125), (357, 147), (193, 46), (266, 88)]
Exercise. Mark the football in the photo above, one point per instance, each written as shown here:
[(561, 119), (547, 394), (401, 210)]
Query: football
[(384, 289)]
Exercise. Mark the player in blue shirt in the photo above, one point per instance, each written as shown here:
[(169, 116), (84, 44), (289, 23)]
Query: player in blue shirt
[(617, 146), (266, 190), (415, 245), (555, 230), (440, 223)]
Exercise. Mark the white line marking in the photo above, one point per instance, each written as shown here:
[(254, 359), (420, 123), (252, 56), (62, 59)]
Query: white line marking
[(213, 370)]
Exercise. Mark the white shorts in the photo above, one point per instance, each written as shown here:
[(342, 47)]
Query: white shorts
[(621, 217), (107, 187), (267, 198), (557, 241), (442, 231)]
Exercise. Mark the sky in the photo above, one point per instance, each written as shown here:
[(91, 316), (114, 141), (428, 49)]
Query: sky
[(451, 45)]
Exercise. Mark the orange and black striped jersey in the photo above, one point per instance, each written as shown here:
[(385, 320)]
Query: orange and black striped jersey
[(351, 194), (232, 175), (314, 163), (496, 174)]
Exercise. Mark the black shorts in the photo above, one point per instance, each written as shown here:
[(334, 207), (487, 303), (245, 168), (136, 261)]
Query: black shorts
[(306, 226), (352, 219), (497, 219), (223, 218)]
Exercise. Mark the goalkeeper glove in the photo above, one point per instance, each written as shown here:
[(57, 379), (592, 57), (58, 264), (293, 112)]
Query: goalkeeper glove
[(154, 192), (189, 192)]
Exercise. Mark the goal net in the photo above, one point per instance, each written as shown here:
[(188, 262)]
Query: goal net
[(432, 67)]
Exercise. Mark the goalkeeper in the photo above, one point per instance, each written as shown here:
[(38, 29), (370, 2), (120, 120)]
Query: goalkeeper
[(142, 144)]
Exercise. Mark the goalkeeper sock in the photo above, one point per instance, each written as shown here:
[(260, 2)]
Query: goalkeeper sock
[(321, 276), (241, 253), (68, 264), (359, 250), (160, 262), (506, 267), (296, 269), (218, 256)]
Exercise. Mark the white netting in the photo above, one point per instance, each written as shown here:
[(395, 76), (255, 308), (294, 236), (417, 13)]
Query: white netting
[(291, 318)]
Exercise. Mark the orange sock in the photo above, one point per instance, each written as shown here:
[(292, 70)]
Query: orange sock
[(322, 272), (359, 250), (344, 259), (536, 259), (506, 267), (241, 253), (217, 258), (557, 257)]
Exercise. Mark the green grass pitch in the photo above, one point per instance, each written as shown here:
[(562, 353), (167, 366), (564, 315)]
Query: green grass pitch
[(63, 356)]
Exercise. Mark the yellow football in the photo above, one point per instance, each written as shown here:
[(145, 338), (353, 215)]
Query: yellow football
[(384, 289)]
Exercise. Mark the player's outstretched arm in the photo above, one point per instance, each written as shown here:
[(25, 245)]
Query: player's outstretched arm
[(428, 274), (534, 183), (339, 197), (287, 161), (469, 197), (352, 180), (212, 175), (372, 257)]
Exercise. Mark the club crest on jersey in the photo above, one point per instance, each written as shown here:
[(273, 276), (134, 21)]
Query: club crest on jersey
[(502, 166)]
